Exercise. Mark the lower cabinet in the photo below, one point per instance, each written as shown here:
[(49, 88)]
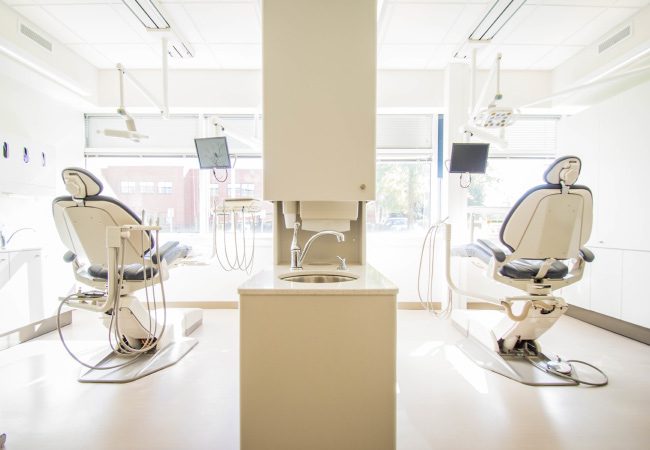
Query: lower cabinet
[(614, 285), (21, 289)]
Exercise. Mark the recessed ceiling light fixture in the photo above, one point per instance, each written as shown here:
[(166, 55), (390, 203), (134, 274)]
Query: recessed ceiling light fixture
[(495, 19), (148, 13), (155, 19)]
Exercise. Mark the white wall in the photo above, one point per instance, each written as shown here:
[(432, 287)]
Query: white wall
[(26, 112), (60, 62), (588, 63), (233, 90), (611, 138)]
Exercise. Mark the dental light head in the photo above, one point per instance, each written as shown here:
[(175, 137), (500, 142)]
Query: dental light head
[(131, 132), (494, 117)]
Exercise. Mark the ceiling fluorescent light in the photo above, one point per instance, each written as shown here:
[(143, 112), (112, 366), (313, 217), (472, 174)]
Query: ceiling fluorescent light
[(153, 16), (148, 13), (495, 19)]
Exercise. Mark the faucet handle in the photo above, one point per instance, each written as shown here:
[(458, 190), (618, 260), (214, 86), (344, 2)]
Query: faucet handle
[(342, 264)]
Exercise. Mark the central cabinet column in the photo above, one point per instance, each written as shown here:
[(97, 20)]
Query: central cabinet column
[(319, 86)]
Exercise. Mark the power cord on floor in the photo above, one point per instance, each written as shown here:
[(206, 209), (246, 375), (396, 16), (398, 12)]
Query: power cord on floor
[(547, 369)]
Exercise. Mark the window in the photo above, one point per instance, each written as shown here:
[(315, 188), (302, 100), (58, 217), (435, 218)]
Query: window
[(165, 187), (400, 215), (127, 187), (176, 210), (511, 172), (147, 187)]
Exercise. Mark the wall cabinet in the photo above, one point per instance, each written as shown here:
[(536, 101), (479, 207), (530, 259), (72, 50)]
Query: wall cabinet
[(319, 83)]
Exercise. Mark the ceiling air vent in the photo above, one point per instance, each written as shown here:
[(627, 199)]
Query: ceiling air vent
[(615, 39), (34, 36)]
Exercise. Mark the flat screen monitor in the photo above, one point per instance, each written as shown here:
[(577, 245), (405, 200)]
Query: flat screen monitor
[(213, 153), (468, 158)]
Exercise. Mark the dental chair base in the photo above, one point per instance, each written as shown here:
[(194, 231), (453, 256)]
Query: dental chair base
[(521, 364), (173, 346)]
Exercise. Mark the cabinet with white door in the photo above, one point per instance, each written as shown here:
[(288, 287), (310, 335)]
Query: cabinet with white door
[(319, 100), (21, 289)]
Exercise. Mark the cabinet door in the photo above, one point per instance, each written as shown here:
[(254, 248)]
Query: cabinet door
[(635, 306), (606, 282), (4, 269), (319, 83)]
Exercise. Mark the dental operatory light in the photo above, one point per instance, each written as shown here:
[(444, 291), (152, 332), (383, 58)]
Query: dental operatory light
[(131, 132), (494, 117)]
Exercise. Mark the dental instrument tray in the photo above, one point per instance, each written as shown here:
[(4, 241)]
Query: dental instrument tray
[(238, 203)]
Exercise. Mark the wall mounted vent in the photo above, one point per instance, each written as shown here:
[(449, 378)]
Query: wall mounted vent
[(35, 37), (615, 39)]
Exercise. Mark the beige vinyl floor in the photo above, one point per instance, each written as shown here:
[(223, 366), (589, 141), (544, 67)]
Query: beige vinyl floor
[(444, 401)]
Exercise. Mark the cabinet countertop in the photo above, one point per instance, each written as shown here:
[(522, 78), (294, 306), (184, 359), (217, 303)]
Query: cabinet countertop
[(368, 282)]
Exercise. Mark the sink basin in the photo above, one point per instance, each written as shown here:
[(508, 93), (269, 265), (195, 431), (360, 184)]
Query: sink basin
[(317, 278)]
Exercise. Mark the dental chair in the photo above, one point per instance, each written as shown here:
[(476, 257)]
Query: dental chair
[(113, 252), (542, 250)]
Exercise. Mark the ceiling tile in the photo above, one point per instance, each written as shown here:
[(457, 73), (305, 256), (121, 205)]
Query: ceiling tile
[(601, 25), (226, 22), (405, 56), (59, 2), (514, 57), (95, 23), (178, 14), (551, 25), (132, 56), (442, 57), (237, 56), (420, 23), (465, 23), (203, 58), (39, 17), (605, 3), (555, 57)]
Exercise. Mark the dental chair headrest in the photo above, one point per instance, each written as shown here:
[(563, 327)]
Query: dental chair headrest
[(564, 170), (80, 183)]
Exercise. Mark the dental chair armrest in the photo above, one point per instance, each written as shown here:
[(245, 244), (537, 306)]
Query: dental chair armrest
[(170, 252), (69, 256), (498, 253), (587, 254), (472, 251)]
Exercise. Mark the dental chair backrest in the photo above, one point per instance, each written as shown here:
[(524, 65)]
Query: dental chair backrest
[(81, 219), (552, 220)]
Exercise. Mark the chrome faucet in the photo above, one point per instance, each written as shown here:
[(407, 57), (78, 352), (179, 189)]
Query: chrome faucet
[(298, 254), (4, 242)]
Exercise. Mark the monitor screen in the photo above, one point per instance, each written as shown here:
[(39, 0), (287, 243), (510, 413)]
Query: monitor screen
[(213, 153), (468, 158)]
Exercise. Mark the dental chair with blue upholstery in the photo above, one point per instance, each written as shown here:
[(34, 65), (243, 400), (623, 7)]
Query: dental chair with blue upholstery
[(112, 251), (542, 250)]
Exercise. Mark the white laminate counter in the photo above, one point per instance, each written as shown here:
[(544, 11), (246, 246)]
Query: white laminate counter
[(369, 282)]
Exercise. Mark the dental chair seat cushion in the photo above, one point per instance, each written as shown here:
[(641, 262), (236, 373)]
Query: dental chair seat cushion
[(528, 268), (132, 272), (171, 251)]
